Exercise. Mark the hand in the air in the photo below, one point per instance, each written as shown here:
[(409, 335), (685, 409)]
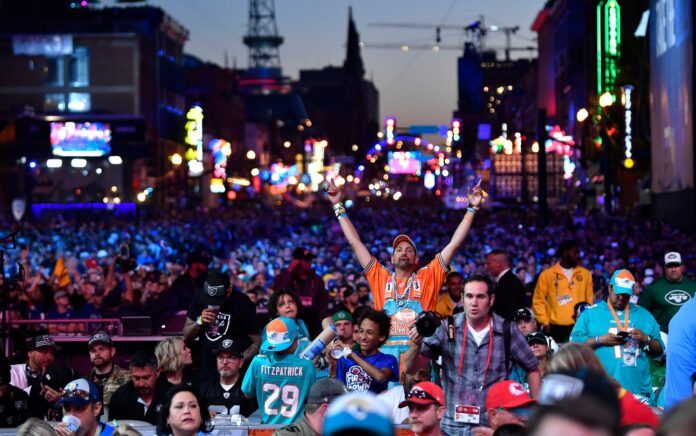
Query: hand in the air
[(335, 193), (476, 196)]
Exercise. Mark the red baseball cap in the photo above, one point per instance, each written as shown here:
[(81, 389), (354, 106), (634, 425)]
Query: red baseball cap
[(424, 393), (401, 238), (507, 394)]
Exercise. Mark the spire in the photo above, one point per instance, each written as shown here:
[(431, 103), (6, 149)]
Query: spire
[(353, 63)]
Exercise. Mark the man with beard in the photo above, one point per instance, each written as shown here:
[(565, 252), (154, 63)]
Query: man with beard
[(624, 336), (409, 289), (142, 397), (105, 373), (226, 390), (300, 278), (426, 407), (40, 354)]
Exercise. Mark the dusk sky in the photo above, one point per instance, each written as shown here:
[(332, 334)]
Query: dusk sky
[(418, 87)]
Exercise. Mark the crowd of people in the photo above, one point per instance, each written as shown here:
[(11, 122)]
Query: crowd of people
[(334, 320)]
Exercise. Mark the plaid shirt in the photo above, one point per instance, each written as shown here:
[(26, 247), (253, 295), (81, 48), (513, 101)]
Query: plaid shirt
[(468, 391), (117, 378)]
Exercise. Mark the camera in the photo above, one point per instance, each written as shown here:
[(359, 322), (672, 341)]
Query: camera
[(426, 323)]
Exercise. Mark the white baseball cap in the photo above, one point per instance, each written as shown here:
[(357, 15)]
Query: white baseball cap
[(673, 258)]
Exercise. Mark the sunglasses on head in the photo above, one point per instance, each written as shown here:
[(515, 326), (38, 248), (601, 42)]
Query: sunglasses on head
[(523, 412), (420, 393), (75, 393)]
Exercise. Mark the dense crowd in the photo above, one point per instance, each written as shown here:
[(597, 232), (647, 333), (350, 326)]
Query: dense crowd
[(257, 284)]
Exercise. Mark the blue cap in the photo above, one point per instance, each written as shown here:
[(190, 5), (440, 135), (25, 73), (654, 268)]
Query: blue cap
[(358, 411), (279, 334), (80, 392), (623, 282)]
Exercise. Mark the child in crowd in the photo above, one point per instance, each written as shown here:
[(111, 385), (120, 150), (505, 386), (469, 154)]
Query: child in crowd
[(369, 369)]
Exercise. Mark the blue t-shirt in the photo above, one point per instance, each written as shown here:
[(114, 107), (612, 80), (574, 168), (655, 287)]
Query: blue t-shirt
[(357, 379), (280, 384), (632, 373), (681, 355)]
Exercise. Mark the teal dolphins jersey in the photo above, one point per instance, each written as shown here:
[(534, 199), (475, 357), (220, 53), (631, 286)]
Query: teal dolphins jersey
[(280, 384)]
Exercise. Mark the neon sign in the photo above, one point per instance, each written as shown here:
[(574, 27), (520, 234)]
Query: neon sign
[(628, 134), (608, 45), (194, 138)]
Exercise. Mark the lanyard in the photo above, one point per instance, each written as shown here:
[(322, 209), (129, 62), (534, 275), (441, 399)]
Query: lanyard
[(404, 295), (488, 359), (616, 318)]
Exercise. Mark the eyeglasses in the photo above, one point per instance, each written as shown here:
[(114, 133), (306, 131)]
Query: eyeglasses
[(420, 393), (75, 393), (227, 358)]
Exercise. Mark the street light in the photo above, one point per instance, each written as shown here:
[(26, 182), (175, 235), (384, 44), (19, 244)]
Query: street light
[(582, 115), (606, 99)]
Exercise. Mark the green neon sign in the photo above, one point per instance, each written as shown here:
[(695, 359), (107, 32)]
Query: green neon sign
[(608, 45)]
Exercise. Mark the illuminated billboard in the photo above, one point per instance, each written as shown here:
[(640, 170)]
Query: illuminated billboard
[(83, 139), (671, 95), (404, 162)]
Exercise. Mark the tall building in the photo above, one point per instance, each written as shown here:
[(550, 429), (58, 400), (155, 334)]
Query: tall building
[(102, 86), (342, 104)]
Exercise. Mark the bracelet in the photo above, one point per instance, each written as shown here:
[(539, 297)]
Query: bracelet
[(469, 220), (596, 341), (471, 209), (338, 205), (340, 212), (199, 320), (341, 215)]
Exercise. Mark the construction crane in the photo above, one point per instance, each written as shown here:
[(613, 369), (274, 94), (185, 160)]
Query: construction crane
[(476, 32)]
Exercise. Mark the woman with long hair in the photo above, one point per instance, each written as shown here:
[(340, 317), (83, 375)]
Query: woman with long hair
[(173, 356), (183, 414)]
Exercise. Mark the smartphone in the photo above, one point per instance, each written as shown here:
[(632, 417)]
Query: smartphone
[(623, 335)]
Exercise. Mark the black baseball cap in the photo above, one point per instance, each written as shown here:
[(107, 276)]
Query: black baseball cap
[(229, 346), (215, 288), (198, 256), (537, 337), (523, 314), (100, 338), (41, 342), (303, 253)]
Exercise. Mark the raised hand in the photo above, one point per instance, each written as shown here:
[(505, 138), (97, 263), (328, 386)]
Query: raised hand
[(476, 196), (335, 193)]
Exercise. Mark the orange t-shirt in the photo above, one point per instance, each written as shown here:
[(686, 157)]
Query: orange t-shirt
[(425, 287)]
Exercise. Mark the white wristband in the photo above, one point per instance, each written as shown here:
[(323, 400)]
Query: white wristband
[(346, 351)]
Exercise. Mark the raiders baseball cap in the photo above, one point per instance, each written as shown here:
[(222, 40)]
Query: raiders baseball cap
[(401, 238), (215, 288), (41, 342), (229, 346), (100, 338), (673, 258), (537, 337)]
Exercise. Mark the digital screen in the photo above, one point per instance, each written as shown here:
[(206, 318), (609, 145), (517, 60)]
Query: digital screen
[(80, 139), (404, 162)]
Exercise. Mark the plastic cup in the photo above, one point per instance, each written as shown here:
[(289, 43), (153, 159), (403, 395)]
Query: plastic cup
[(73, 422)]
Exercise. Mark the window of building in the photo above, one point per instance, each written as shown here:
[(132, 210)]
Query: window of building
[(54, 71), (79, 68), (54, 102), (79, 102)]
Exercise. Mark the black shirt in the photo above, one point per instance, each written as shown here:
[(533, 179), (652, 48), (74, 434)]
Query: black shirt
[(214, 395), (236, 320), (13, 407), (124, 403)]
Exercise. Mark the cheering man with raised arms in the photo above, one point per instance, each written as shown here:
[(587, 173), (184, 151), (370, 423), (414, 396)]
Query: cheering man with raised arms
[(408, 290)]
